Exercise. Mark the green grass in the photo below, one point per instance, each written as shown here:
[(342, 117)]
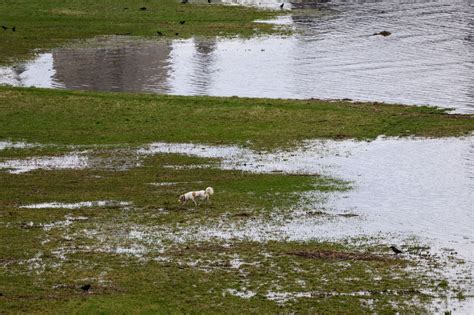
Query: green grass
[(86, 118), (237, 190), (45, 24), (128, 285)]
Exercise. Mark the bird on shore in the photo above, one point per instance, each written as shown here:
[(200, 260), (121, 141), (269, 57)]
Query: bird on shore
[(143, 9), (159, 33), (184, 1), (395, 250), (182, 22), (85, 287), (4, 27), (13, 28), (208, 1), (281, 5)]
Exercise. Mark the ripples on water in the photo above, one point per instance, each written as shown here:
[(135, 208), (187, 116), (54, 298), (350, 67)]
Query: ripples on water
[(428, 59)]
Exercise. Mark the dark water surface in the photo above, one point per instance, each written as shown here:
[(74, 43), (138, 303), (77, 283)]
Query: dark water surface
[(427, 59)]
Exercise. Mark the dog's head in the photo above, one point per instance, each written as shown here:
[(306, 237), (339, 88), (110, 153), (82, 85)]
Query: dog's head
[(181, 199)]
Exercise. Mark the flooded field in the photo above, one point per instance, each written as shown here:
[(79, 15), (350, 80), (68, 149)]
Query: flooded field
[(400, 187), (325, 208), (427, 59), (414, 193), (393, 193)]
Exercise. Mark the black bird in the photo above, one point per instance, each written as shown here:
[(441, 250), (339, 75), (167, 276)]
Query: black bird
[(383, 33), (184, 1), (143, 9), (395, 250), (86, 287), (13, 28), (4, 27), (159, 33), (281, 5), (125, 8), (182, 22), (208, 1), (176, 34)]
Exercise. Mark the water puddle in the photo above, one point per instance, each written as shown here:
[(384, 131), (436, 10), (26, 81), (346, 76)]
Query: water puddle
[(244, 294), (99, 158), (160, 184), (78, 205), (69, 161), (68, 219), (134, 250), (4, 145), (427, 59)]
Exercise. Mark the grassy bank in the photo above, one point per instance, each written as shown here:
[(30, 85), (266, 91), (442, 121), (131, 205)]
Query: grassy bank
[(65, 117), (45, 24)]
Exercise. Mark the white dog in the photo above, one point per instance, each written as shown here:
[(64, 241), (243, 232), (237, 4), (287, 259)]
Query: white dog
[(193, 195)]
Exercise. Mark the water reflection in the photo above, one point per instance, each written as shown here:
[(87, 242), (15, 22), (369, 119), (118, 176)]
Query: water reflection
[(131, 67), (469, 43), (202, 69), (427, 59)]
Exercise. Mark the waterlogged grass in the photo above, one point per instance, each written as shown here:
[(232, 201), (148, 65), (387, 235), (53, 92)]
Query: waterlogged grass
[(158, 256), (45, 24), (142, 185), (154, 256), (202, 278), (150, 257), (85, 118)]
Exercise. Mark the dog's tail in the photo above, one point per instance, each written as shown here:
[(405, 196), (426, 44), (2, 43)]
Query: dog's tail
[(209, 191)]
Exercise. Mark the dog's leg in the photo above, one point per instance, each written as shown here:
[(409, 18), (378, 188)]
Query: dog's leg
[(195, 203)]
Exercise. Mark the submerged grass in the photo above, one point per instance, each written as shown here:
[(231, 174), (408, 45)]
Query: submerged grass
[(203, 278), (159, 256), (141, 186), (45, 24), (148, 259), (87, 118)]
